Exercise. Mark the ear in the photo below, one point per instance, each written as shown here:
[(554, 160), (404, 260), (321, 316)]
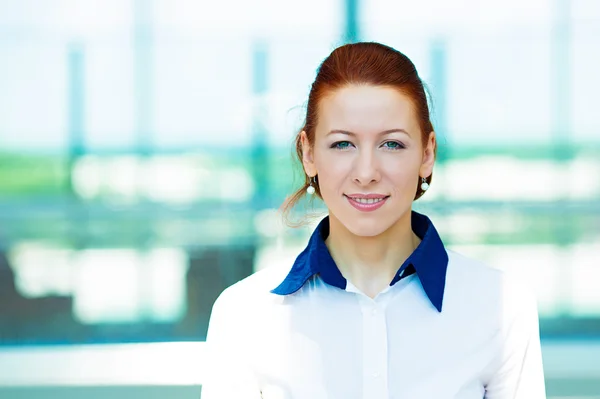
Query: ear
[(307, 155), (428, 156)]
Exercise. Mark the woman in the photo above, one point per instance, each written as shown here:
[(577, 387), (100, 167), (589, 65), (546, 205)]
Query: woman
[(375, 306)]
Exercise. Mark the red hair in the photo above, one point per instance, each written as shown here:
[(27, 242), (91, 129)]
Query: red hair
[(366, 63)]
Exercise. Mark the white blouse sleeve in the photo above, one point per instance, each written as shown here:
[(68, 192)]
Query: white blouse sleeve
[(518, 372), (228, 374)]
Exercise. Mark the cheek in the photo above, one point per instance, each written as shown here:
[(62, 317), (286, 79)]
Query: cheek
[(403, 178), (332, 179), (333, 168), (402, 174)]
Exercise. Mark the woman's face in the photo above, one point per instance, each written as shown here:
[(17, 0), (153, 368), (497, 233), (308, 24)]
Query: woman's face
[(368, 156)]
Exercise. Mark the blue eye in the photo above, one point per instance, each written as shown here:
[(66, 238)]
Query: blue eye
[(393, 145), (341, 145)]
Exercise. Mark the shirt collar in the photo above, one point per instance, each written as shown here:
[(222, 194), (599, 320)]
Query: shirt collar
[(429, 259)]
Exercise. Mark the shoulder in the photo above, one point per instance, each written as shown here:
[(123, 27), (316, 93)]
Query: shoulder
[(249, 292), (243, 308), (474, 273), (461, 264), (490, 289)]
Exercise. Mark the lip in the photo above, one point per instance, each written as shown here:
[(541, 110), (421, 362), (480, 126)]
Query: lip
[(367, 207), (367, 196)]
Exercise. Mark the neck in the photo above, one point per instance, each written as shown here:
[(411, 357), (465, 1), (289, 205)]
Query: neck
[(371, 263)]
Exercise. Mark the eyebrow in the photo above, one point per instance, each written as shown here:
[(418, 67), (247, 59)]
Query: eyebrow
[(348, 133)]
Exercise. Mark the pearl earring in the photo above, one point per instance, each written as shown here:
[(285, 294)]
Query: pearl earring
[(311, 189), (424, 185)]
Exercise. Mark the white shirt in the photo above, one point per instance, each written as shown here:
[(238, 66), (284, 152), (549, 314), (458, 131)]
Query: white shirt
[(451, 328)]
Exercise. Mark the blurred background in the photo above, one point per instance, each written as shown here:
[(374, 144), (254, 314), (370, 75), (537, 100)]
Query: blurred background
[(146, 146)]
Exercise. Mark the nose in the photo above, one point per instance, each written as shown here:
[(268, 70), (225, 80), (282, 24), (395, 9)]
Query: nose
[(366, 168)]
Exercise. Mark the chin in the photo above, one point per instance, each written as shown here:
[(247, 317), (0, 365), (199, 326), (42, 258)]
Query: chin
[(370, 227)]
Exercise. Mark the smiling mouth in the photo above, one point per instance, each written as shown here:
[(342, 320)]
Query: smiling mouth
[(367, 200)]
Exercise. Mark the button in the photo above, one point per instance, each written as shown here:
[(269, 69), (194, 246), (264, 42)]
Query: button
[(376, 375), (374, 311)]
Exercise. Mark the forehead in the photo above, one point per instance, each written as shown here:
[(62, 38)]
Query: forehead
[(366, 109)]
